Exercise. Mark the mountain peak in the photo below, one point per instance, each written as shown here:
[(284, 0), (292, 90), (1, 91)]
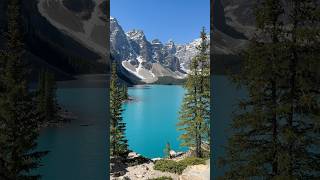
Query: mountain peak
[(147, 60), (113, 20), (170, 44), (156, 41), (136, 34)]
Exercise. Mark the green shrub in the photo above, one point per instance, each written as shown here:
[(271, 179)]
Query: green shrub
[(190, 161), (169, 166), (177, 167), (162, 178)]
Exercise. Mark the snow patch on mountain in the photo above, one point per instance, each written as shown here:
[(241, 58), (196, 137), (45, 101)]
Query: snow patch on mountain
[(150, 60)]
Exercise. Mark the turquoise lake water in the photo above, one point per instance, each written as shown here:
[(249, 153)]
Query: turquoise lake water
[(152, 117), (224, 103), (79, 152)]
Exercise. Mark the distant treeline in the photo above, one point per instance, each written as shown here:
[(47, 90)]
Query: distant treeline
[(82, 66)]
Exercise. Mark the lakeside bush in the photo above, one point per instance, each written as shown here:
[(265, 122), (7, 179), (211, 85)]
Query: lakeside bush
[(190, 161), (162, 178), (172, 166), (169, 166)]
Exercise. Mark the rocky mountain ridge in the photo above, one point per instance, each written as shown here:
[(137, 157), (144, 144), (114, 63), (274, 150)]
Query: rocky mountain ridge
[(149, 60), (60, 30), (63, 36)]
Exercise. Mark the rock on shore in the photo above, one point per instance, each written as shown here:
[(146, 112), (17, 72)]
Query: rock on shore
[(197, 172), (137, 167), (145, 171)]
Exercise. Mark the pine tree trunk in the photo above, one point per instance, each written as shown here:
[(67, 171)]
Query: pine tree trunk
[(293, 63), (291, 114), (274, 131), (197, 124), (274, 104), (200, 139)]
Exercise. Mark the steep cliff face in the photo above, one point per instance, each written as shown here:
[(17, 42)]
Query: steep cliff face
[(150, 60), (82, 20), (119, 43), (234, 18), (233, 26), (60, 30), (49, 46), (82, 8)]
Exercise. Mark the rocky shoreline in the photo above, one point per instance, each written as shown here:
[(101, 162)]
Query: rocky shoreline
[(143, 171), (137, 167)]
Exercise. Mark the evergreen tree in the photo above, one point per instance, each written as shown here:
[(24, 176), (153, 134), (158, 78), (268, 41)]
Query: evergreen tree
[(18, 115), (267, 143), (300, 155), (41, 94), (124, 91), (46, 94), (194, 118), (50, 97), (167, 150), (253, 149), (118, 141)]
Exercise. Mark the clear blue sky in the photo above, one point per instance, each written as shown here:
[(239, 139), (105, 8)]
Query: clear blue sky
[(179, 20)]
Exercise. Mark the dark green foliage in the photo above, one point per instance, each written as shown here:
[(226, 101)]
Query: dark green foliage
[(168, 80), (118, 141), (276, 130), (124, 92), (205, 153), (194, 118), (169, 166), (177, 166), (190, 161), (300, 101), (46, 97), (82, 66), (162, 178), (166, 150), (19, 120)]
